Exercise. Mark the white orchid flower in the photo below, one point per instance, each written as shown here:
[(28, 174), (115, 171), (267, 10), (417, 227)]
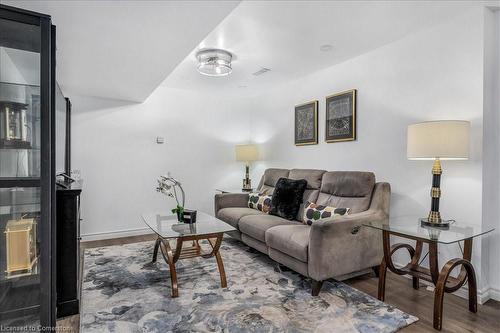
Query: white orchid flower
[(167, 185)]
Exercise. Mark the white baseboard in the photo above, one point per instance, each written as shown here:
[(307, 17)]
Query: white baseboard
[(116, 234), (483, 295), (494, 294), (490, 293)]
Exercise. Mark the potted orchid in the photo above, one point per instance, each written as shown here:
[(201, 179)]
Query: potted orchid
[(170, 187)]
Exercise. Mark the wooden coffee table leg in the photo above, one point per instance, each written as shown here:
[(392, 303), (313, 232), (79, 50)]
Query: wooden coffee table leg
[(155, 251), (171, 256), (168, 255), (215, 247)]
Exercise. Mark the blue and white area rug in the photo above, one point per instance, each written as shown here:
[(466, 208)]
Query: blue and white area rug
[(124, 292)]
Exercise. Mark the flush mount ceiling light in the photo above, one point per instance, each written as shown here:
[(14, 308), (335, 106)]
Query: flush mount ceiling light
[(214, 62)]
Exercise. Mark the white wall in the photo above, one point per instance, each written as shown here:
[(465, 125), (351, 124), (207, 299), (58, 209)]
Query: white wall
[(491, 162), (114, 147), (434, 74)]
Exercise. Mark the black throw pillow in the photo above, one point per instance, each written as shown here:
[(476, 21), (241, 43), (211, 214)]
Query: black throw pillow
[(287, 197)]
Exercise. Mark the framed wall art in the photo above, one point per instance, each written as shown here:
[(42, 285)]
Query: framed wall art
[(341, 117), (306, 124)]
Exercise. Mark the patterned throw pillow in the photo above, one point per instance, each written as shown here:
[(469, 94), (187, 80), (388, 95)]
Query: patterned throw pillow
[(260, 201), (315, 213)]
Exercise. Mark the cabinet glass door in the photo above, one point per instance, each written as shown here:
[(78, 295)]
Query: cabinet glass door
[(24, 194), (19, 101)]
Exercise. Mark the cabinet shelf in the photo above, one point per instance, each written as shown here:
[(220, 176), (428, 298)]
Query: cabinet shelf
[(22, 277), (20, 149), (20, 84)]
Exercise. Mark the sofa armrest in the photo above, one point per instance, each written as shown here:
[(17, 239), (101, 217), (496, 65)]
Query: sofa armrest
[(381, 197), (344, 246), (226, 200)]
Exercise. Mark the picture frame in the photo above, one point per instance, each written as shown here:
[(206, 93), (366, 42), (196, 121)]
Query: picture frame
[(306, 124), (340, 120)]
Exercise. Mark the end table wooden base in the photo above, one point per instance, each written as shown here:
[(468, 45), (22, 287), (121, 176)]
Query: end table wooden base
[(441, 279), (193, 251)]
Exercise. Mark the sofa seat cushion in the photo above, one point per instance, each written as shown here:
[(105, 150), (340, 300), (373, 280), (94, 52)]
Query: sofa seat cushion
[(256, 225), (290, 239), (232, 215)]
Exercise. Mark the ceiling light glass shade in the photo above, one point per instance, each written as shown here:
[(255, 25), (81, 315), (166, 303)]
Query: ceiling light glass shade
[(214, 62)]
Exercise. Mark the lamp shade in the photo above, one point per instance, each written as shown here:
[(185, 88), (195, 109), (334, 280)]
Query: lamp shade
[(246, 153), (444, 139)]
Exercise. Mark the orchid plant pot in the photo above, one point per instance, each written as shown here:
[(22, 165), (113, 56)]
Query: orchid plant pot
[(180, 217)]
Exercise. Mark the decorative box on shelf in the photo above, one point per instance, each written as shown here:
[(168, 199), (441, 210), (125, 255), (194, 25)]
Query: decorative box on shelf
[(13, 125), (20, 236)]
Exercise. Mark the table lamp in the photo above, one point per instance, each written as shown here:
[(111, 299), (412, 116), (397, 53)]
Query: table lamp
[(247, 154), (438, 140)]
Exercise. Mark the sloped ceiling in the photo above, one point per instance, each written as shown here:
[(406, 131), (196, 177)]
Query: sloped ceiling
[(125, 49), (286, 37)]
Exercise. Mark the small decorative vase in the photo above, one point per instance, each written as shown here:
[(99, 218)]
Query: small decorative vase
[(189, 216)]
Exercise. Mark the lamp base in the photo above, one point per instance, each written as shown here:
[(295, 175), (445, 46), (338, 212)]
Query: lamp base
[(247, 185), (247, 182), (443, 224)]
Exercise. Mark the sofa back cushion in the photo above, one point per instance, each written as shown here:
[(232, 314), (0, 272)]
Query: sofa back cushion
[(270, 178), (313, 178), (348, 189)]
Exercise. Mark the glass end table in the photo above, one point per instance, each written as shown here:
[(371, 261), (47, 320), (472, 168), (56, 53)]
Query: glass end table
[(167, 229), (410, 228), (234, 190)]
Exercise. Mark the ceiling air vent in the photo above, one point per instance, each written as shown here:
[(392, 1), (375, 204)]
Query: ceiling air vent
[(262, 71)]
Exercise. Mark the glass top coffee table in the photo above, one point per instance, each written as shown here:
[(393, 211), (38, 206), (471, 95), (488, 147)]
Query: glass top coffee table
[(409, 227), (167, 228)]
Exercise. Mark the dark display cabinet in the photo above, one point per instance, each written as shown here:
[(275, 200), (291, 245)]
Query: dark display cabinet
[(68, 249), (27, 172)]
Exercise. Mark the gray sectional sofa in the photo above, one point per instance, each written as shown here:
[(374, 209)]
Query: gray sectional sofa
[(326, 249)]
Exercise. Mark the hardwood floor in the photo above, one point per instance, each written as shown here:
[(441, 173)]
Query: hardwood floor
[(399, 293), (116, 241), (71, 324), (420, 303)]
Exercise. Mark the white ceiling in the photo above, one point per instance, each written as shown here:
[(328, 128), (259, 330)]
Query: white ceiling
[(124, 49), (286, 36)]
